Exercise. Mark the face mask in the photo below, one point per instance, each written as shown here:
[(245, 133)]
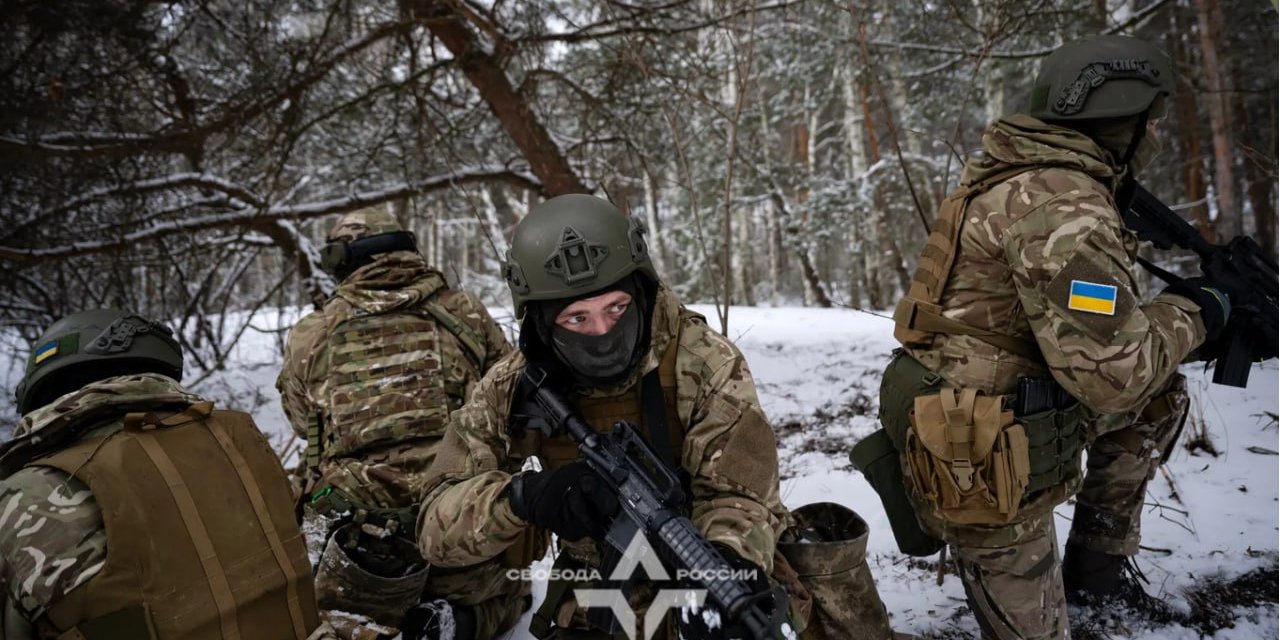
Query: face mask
[(1148, 148), (604, 358)]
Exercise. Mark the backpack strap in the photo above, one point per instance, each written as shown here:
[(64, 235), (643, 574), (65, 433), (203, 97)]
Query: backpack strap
[(141, 427), (460, 330)]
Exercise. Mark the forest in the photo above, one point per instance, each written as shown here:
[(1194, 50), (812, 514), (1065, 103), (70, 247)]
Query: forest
[(184, 159)]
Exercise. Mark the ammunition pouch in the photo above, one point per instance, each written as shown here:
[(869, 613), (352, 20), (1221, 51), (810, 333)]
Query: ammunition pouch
[(966, 456), (1055, 439), (378, 578), (879, 461), (827, 549)]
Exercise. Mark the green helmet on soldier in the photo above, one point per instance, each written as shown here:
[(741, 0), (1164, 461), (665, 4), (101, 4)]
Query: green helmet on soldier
[(359, 237), (1106, 76), (572, 245), (94, 345)]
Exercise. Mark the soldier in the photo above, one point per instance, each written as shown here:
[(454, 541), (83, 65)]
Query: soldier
[(1025, 339), (621, 346), (369, 380), (130, 508)]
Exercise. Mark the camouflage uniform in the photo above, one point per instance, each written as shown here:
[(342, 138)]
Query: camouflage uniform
[(370, 379), (1021, 244), (53, 539), (729, 450)]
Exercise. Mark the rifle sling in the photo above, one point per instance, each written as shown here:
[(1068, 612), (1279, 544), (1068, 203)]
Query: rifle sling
[(654, 405), (1157, 271)]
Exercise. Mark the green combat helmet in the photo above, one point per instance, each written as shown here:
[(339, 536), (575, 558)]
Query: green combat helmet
[(571, 245), (360, 236), (1101, 77), (93, 345)]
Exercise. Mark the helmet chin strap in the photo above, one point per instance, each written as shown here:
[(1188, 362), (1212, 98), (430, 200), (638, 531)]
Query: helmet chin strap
[(1139, 132)]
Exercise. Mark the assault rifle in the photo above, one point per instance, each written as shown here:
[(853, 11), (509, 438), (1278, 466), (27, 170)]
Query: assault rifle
[(651, 500), (1240, 268)]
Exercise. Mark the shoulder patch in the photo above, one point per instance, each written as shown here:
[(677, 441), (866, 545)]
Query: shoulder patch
[(1092, 297), (1095, 298)]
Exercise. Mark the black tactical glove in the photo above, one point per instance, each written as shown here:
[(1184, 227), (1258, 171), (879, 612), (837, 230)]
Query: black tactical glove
[(572, 501), (1215, 305), (710, 623)]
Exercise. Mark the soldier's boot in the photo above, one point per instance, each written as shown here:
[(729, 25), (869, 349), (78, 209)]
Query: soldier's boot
[(1097, 579)]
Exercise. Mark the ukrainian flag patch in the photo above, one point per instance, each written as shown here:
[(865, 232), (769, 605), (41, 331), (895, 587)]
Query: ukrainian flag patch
[(1092, 297), (46, 351)]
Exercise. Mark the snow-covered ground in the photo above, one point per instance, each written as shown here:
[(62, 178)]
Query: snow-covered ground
[(817, 371)]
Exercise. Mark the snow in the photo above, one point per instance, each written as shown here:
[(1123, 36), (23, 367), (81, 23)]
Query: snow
[(817, 372)]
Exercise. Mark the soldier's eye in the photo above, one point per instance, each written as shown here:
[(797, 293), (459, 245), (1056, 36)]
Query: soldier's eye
[(620, 308)]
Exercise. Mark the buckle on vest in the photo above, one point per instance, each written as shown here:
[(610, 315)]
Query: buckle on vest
[(963, 472)]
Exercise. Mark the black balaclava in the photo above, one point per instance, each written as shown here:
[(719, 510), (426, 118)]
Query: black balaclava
[(604, 360)]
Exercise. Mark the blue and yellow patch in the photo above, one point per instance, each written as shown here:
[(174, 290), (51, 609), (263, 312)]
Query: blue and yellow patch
[(1092, 297), (46, 351)]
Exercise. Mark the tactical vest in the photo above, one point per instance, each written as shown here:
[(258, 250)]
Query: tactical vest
[(386, 379), (918, 316), (201, 540)]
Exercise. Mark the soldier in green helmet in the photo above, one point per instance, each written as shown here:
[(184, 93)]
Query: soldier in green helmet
[(621, 347), (1025, 340), (369, 380), (113, 455)]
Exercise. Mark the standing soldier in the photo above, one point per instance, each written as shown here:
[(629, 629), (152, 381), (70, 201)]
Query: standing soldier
[(621, 347), (369, 380), (130, 508), (1025, 340)]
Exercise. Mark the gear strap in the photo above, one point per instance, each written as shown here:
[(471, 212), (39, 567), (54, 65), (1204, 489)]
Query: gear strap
[(253, 490), (141, 428), (958, 412), (927, 317), (654, 405), (460, 330)]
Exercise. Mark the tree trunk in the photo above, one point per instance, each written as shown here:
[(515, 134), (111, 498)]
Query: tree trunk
[(657, 241), (1229, 219), (746, 258), (1192, 151), (485, 72)]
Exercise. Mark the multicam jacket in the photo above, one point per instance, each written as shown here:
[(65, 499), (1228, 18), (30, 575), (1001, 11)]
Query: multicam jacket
[(1044, 256), (372, 376), (729, 451)]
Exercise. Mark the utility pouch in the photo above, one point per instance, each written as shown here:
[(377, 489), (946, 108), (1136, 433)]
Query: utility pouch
[(383, 594), (879, 461), (967, 457), (827, 549)]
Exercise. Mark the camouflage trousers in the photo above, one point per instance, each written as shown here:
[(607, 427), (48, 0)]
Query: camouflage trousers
[(1012, 574), (1120, 463)]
